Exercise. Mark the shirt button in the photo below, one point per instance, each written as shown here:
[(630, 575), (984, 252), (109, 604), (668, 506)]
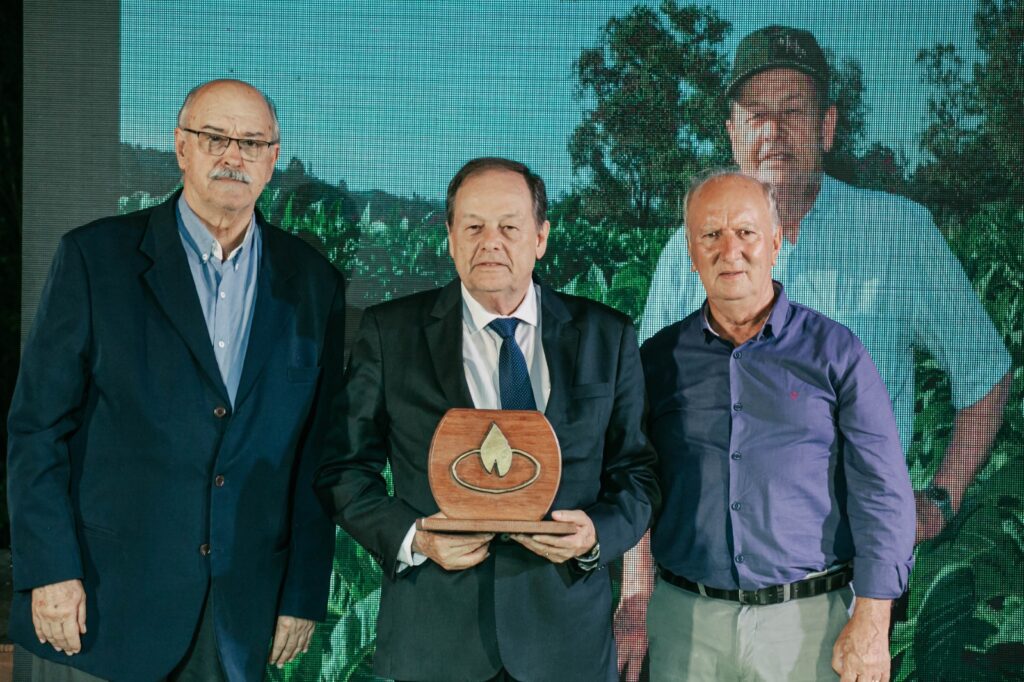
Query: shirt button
[(218, 481), (223, 295), (737, 455), (220, 412), (220, 344), (204, 549), (736, 506), (739, 558), (737, 355), (738, 407)]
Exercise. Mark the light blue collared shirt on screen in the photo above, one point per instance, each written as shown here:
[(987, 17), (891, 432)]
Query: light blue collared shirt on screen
[(226, 289)]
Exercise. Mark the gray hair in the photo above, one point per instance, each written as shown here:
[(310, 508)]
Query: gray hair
[(698, 181), (190, 97)]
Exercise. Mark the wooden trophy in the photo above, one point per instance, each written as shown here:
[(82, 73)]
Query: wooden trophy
[(494, 471)]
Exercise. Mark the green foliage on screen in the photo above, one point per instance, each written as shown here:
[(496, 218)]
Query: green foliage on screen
[(964, 617)]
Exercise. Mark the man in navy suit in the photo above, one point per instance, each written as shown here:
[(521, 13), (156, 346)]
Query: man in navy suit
[(162, 430), (477, 606)]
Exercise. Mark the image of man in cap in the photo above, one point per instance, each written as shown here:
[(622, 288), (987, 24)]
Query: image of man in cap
[(874, 262)]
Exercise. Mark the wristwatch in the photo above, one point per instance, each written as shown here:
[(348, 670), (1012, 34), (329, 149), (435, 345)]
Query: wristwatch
[(588, 561), (939, 496)]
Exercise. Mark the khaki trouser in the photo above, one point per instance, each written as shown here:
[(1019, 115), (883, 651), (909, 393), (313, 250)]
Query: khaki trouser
[(699, 638)]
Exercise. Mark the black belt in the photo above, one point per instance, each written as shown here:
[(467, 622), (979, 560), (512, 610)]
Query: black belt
[(776, 594)]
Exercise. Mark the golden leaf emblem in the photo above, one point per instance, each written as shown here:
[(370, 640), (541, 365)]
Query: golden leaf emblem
[(496, 452)]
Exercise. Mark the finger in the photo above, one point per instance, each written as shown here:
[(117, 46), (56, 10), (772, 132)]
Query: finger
[(530, 544), (291, 649), (475, 557), (280, 635), (37, 624), (48, 635), (471, 540), (466, 560), (56, 636), (70, 629), (556, 540), (307, 635), (287, 648), (81, 616), (576, 516), (300, 641)]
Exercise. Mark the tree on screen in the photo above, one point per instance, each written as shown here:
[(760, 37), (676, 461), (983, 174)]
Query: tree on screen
[(655, 84)]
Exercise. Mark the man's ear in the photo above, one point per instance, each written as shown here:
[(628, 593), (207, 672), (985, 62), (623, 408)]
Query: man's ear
[(179, 147), (542, 239), (828, 128)]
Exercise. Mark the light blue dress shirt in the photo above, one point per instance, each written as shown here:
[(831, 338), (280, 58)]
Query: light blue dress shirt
[(226, 288)]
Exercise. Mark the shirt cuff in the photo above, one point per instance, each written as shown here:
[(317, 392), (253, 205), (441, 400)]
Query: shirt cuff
[(407, 557), (880, 579)]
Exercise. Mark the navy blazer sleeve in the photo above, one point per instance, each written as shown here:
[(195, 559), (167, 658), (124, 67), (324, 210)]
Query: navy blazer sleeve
[(629, 495), (307, 578), (45, 414), (351, 480)]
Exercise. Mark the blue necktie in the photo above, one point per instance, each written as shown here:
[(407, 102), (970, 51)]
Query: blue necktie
[(513, 377)]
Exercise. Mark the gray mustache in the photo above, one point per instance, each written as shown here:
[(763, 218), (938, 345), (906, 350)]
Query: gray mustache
[(230, 174)]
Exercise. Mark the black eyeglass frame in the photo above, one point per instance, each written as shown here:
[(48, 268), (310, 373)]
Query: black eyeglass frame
[(261, 145)]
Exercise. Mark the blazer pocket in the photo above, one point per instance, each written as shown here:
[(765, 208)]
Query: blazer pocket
[(590, 391), (98, 531), (303, 375)]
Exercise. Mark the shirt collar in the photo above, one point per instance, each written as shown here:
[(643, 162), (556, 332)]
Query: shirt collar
[(826, 189), (199, 239), (477, 317), (772, 326)]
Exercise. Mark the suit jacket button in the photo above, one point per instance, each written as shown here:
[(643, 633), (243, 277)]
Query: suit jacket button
[(218, 481), (204, 549), (220, 412)]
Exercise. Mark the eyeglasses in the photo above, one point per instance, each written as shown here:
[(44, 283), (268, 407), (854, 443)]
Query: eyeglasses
[(215, 144)]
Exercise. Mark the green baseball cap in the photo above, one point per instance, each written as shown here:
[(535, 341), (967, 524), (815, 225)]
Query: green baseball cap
[(778, 47)]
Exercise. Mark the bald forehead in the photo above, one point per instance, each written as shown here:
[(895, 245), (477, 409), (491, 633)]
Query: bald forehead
[(235, 99), (733, 184)]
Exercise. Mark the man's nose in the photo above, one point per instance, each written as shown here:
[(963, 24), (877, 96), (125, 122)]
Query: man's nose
[(731, 246), (491, 236), (772, 128), (233, 154)]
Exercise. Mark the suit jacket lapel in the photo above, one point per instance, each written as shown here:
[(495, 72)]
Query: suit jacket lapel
[(444, 340), (273, 308), (561, 341), (170, 280)]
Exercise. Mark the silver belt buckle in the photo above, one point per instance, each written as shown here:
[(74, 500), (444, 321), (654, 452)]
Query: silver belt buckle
[(745, 597)]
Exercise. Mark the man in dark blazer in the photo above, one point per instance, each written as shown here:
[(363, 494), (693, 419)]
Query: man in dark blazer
[(478, 607), (164, 423)]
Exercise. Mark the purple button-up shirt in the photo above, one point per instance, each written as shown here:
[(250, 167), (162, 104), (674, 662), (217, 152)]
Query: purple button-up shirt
[(778, 458)]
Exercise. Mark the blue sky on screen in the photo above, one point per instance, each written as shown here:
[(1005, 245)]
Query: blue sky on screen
[(397, 95)]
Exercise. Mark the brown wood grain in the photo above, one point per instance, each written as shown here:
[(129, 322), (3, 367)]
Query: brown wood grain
[(462, 431), (440, 525)]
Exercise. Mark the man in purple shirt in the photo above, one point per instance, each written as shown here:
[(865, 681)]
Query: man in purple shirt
[(781, 467)]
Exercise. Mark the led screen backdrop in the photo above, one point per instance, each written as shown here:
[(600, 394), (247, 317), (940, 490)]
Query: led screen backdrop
[(616, 105)]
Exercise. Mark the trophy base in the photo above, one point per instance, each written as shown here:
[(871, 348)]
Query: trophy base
[(440, 525)]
